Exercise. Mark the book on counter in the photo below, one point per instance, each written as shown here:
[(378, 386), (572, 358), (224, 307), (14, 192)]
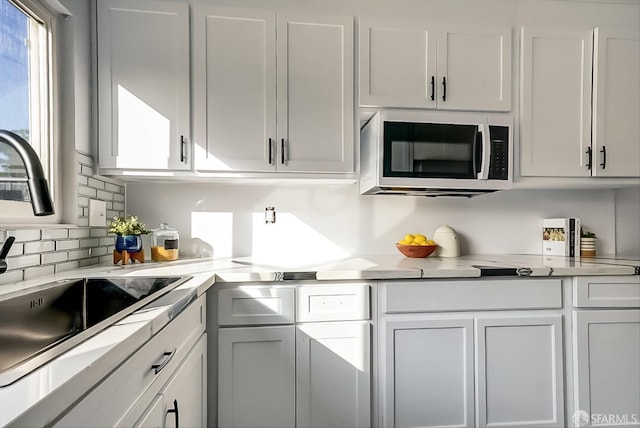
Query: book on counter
[(561, 237)]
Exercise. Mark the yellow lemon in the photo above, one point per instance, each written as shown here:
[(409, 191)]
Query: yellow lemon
[(431, 242), (408, 238), (419, 238)]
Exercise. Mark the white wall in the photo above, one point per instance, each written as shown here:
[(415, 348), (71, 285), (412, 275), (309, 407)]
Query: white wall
[(334, 221), (628, 222)]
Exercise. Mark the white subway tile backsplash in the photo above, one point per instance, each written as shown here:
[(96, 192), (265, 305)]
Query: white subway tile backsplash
[(39, 247), (87, 191), (23, 235), (55, 233), (34, 272), (52, 258), (11, 276), (23, 261), (79, 254), (79, 233), (67, 266), (98, 232), (96, 184), (67, 245), (105, 196), (45, 251), (89, 243)]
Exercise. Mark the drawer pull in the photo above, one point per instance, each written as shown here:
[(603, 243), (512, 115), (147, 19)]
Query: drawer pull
[(167, 356), (175, 412)]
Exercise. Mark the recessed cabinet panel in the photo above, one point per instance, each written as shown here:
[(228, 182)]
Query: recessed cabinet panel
[(235, 94), (315, 94), (520, 371), (256, 378), (616, 103), (333, 375), (394, 77), (474, 68), (606, 291), (606, 368), (256, 305), (556, 102), (429, 370), (143, 84)]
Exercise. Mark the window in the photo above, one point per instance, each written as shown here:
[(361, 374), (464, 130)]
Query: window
[(25, 95)]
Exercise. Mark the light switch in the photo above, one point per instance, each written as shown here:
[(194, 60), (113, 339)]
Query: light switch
[(97, 213)]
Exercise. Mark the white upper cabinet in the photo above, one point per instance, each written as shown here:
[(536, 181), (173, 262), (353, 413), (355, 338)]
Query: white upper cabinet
[(234, 88), (143, 84), (556, 102), (616, 103), (452, 67), (580, 103), (240, 124)]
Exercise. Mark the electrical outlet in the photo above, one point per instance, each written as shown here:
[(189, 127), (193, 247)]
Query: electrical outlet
[(270, 215), (97, 213)]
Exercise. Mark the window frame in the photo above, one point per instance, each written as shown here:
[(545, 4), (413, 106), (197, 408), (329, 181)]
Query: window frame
[(45, 94)]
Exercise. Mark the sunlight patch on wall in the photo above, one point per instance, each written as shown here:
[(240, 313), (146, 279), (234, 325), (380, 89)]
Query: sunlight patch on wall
[(143, 133), (290, 240), (212, 232)]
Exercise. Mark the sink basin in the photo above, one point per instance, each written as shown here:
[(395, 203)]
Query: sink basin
[(51, 319)]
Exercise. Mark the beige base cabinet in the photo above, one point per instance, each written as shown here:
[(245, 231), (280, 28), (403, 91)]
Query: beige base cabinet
[(290, 373), (606, 358)]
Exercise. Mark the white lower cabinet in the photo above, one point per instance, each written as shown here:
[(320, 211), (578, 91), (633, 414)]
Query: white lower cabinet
[(439, 373), (606, 357), (256, 377), (141, 392), (182, 403), (607, 367), (294, 374)]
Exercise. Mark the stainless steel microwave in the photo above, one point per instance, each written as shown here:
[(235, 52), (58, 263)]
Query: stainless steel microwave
[(436, 153)]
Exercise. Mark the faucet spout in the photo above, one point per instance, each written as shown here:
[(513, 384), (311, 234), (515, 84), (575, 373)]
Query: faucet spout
[(36, 181), (6, 246)]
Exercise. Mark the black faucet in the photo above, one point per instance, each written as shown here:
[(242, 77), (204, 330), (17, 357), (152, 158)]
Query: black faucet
[(4, 251), (35, 179)]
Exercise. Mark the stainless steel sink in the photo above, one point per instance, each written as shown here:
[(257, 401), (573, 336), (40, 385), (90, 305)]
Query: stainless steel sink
[(51, 319)]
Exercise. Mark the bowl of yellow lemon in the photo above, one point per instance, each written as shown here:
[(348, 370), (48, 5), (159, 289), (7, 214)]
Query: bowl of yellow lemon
[(416, 246)]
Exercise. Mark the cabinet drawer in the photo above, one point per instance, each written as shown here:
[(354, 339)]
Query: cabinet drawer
[(606, 291), (333, 303), (256, 305), (118, 393), (494, 294)]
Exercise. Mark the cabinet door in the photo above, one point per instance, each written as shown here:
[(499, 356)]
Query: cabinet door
[(333, 375), (154, 416), (606, 366), (234, 88), (556, 102), (143, 84), (520, 371), (256, 377), (616, 103), (185, 396), (474, 68), (428, 373), (397, 64), (315, 116)]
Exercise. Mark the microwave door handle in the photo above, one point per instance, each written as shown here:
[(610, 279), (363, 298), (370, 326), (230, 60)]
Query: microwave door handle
[(486, 152)]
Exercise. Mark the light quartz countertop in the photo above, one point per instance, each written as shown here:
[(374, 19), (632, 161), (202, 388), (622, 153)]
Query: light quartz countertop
[(55, 386)]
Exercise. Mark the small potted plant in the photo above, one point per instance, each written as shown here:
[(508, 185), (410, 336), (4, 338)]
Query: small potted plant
[(587, 243), (128, 232)]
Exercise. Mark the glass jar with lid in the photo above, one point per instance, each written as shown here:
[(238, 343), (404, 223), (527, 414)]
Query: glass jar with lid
[(164, 243)]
